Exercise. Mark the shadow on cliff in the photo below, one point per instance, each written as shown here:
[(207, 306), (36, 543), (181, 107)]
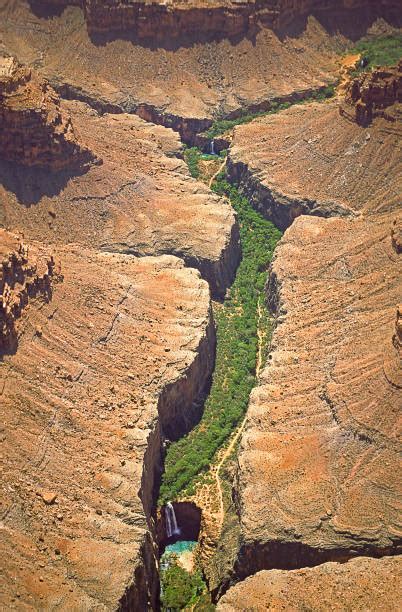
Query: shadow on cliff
[(30, 185), (101, 39), (46, 10), (353, 24)]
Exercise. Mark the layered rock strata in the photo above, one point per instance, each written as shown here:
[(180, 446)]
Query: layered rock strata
[(360, 584), (213, 18), (117, 343), (317, 477), (182, 85), (140, 200), (311, 160), (375, 94), (33, 129)]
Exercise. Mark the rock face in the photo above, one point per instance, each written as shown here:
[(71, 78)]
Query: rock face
[(317, 464), (310, 160), (33, 130), (211, 18), (374, 94), (24, 276), (117, 344), (140, 200), (360, 584)]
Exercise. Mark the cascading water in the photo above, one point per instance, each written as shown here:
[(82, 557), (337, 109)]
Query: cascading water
[(213, 147), (172, 528)]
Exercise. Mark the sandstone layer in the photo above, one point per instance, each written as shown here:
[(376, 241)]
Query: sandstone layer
[(183, 85), (311, 160), (33, 130), (140, 200), (122, 346), (361, 584)]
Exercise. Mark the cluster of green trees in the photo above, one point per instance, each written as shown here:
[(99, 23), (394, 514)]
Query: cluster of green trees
[(221, 126), (189, 458), (380, 51), (180, 589)]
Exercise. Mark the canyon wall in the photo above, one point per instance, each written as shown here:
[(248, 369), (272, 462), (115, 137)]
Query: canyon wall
[(360, 584), (183, 19), (139, 200)]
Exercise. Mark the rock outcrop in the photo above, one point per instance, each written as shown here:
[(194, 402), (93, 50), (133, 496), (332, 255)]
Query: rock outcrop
[(124, 346), (361, 584), (140, 200), (33, 129), (375, 94), (25, 275)]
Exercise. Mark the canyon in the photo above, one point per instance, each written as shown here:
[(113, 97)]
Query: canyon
[(118, 268)]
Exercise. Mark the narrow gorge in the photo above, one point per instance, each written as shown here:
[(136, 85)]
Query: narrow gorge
[(200, 336)]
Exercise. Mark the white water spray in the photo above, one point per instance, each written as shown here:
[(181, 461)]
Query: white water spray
[(171, 522), (213, 147)]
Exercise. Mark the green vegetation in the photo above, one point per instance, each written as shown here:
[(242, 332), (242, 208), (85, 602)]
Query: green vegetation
[(221, 126), (382, 51), (192, 155), (180, 589), (237, 343)]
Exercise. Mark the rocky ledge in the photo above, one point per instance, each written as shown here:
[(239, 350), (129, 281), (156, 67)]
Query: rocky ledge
[(122, 347), (33, 129), (361, 584), (375, 94)]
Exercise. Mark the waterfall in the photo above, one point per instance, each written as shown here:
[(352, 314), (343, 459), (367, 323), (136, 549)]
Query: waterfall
[(171, 521), (213, 147)]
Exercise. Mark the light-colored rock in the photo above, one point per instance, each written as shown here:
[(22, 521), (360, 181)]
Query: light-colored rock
[(361, 584)]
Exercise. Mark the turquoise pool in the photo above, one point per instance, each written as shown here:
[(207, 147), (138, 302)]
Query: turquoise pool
[(180, 547)]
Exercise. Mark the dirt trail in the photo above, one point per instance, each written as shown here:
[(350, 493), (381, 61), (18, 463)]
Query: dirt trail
[(221, 167), (209, 496)]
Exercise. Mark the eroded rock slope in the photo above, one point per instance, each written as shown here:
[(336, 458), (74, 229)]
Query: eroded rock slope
[(311, 160), (117, 347), (185, 83)]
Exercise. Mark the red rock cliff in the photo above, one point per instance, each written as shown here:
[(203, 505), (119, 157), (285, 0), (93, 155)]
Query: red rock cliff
[(375, 94), (33, 130)]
